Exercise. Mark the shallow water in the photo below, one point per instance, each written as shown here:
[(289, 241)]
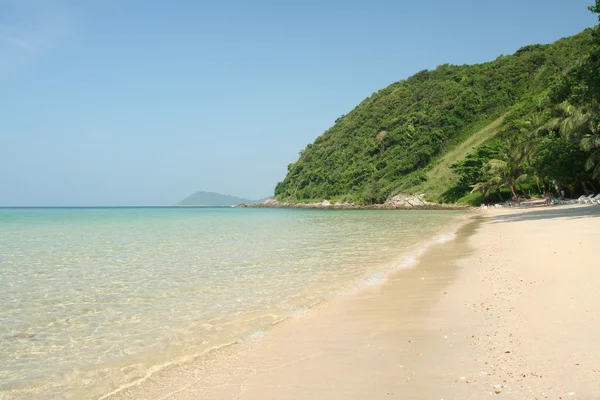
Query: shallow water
[(95, 298)]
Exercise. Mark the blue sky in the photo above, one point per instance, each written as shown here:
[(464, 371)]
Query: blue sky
[(144, 102)]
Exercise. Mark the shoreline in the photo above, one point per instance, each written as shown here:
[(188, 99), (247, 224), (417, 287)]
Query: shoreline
[(497, 311), (325, 205), (397, 249), (220, 373)]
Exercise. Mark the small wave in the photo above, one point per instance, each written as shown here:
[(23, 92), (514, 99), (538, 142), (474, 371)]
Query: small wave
[(251, 336), (298, 312), (305, 309), (410, 261), (406, 261), (374, 279), (446, 237)]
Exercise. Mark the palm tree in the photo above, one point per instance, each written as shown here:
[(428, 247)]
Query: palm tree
[(567, 120), (577, 126), (507, 172), (590, 142)]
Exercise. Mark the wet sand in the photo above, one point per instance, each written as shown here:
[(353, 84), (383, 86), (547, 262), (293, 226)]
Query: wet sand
[(514, 305)]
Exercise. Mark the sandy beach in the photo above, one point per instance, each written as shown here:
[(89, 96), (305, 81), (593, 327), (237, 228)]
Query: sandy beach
[(523, 315), (509, 308)]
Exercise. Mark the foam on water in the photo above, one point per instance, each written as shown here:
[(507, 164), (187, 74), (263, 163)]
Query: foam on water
[(446, 237), (405, 261), (251, 336), (299, 312)]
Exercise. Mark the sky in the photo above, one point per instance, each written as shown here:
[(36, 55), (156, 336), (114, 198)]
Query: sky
[(142, 102)]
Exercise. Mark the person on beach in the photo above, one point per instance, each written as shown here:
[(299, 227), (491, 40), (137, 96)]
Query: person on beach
[(548, 198)]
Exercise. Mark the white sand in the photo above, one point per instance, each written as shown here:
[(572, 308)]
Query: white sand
[(524, 313)]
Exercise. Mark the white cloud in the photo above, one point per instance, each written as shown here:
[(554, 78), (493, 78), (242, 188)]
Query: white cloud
[(29, 28), (20, 43)]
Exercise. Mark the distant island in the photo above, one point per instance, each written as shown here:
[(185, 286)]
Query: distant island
[(214, 199)]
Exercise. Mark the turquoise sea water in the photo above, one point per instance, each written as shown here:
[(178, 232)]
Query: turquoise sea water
[(92, 299)]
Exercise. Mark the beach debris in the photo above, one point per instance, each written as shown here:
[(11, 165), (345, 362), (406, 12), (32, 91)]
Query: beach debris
[(498, 388), (571, 393), (445, 292)]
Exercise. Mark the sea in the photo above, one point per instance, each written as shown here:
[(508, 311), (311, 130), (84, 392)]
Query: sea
[(93, 300)]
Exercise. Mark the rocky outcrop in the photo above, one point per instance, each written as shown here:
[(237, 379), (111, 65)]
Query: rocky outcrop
[(398, 202), (274, 203), (408, 200)]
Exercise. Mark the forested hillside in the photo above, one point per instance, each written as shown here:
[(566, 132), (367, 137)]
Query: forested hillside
[(459, 129)]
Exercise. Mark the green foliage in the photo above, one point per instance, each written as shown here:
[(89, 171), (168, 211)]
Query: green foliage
[(472, 167), (591, 143), (506, 171), (581, 85), (595, 9), (522, 121), (440, 182), (389, 142), (477, 198), (557, 159), (373, 193)]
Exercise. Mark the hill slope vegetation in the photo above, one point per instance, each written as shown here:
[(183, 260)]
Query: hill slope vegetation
[(415, 135)]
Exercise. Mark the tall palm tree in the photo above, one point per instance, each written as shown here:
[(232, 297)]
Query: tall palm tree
[(567, 120), (508, 171), (578, 126), (589, 142)]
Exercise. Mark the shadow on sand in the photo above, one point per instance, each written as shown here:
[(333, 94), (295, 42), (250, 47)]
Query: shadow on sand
[(557, 211)]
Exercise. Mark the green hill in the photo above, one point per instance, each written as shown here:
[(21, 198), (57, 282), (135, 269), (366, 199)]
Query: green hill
[(405, 137)]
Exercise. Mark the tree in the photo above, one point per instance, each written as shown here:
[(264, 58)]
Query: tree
[(579, 127), (581, 85), (472, 168), (373, 193), (569, 121), (557, 159), (591, 142), (595, 9), (507, 171), (380, 136)]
